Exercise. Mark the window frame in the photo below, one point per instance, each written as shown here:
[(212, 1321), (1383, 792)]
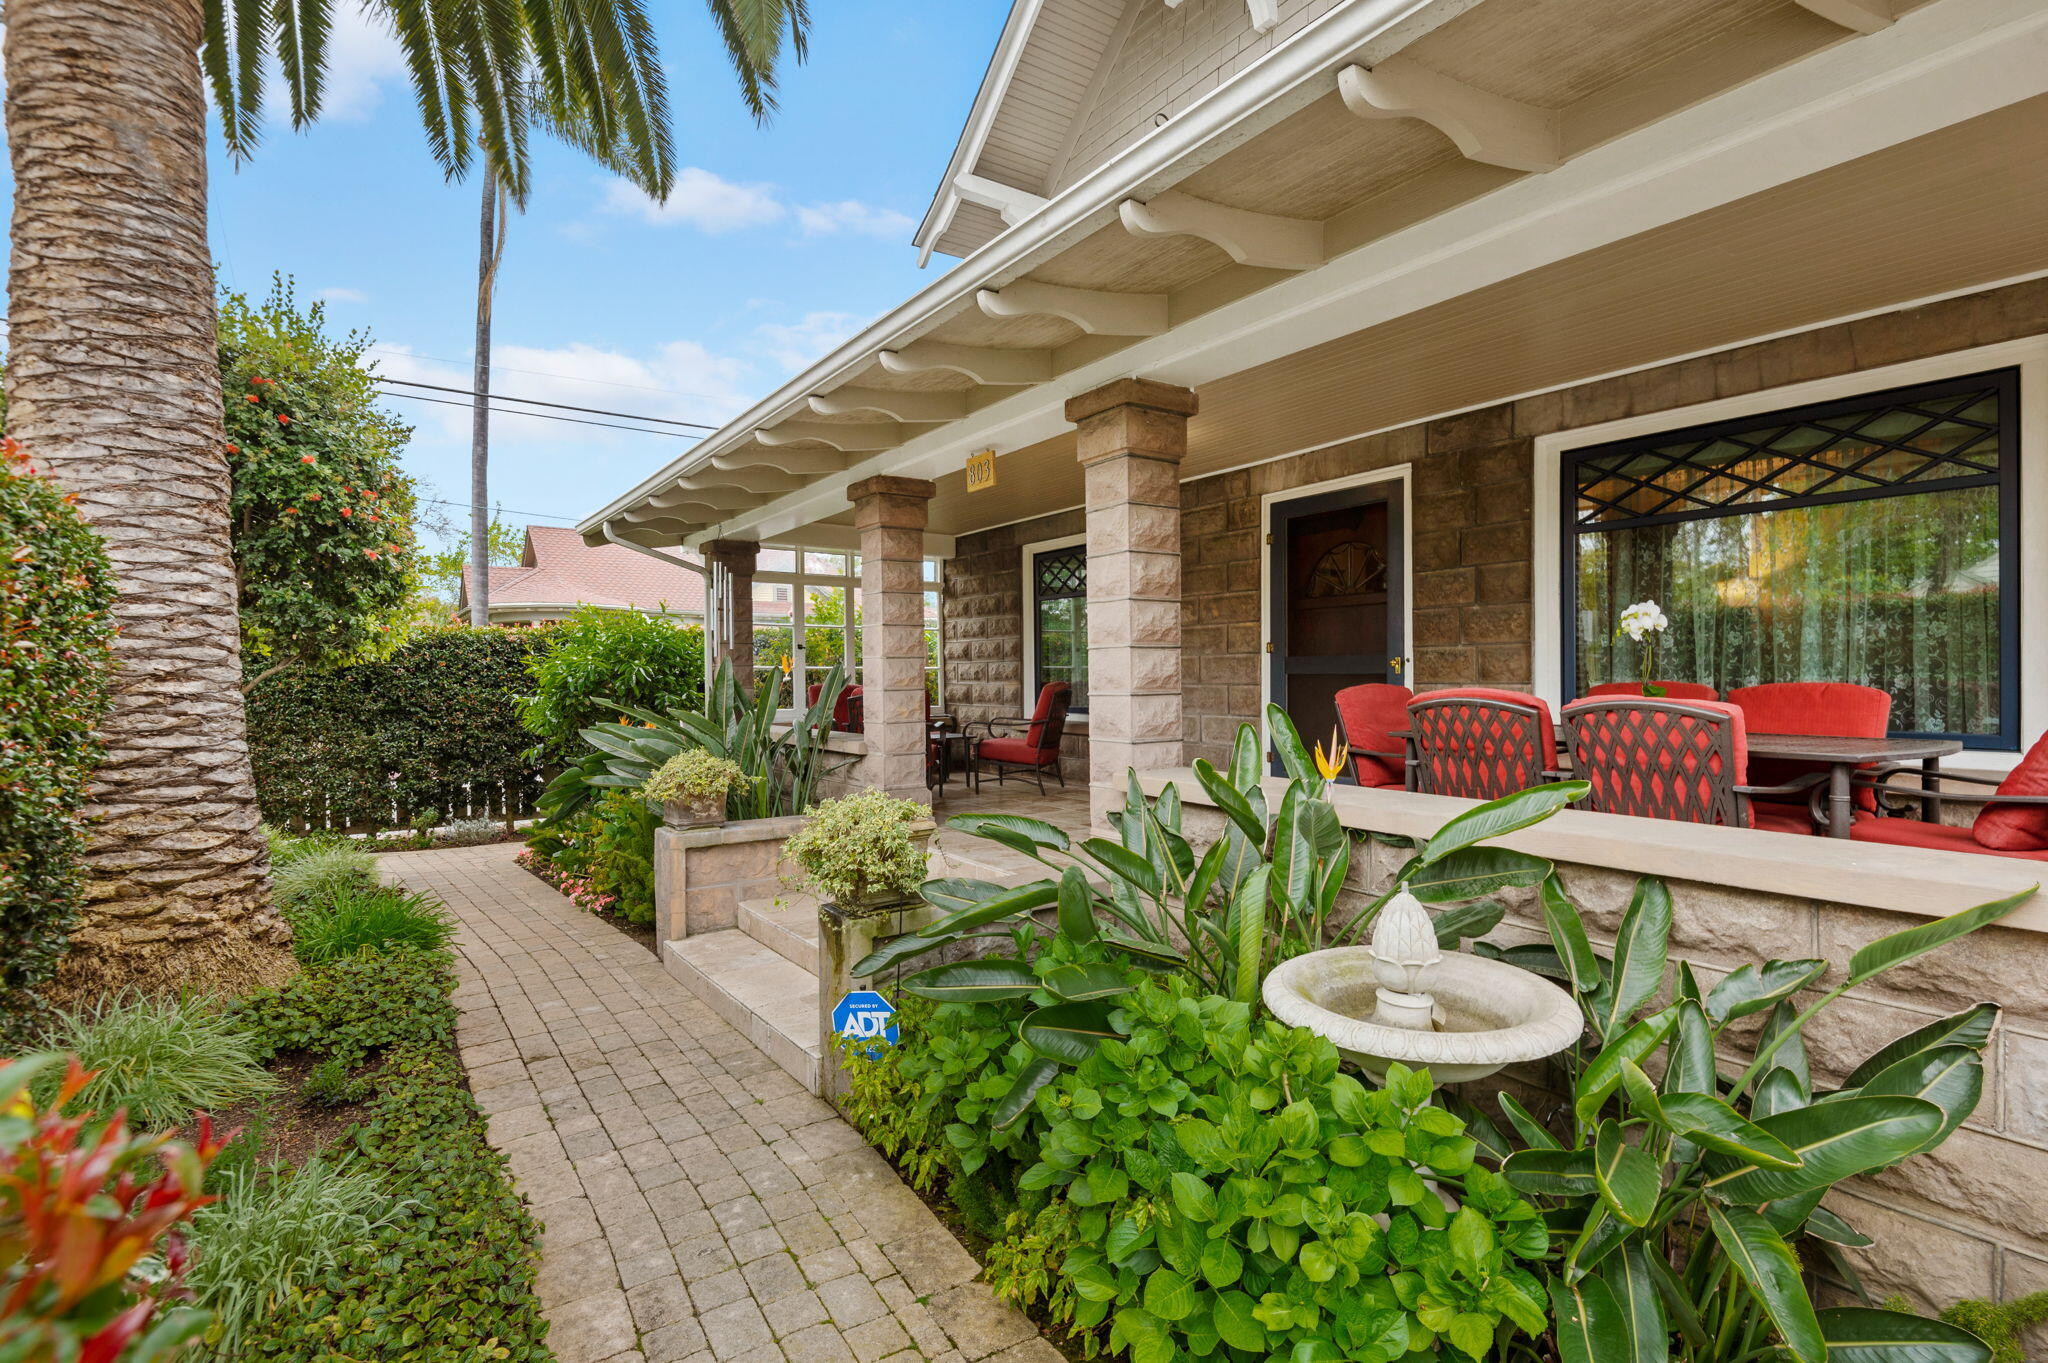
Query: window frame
[(2006, 380), (798, 582), (1028, 621)]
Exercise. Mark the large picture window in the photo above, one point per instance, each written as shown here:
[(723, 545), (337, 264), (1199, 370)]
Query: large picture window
[(1059, 606), (1871, 540)]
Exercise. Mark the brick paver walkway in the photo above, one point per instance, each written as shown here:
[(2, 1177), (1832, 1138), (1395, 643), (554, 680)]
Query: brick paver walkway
[(699, 1204)]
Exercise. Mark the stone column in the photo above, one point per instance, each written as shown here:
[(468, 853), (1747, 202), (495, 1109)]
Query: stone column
[(1131, 437), (890, 514), (736, 557)]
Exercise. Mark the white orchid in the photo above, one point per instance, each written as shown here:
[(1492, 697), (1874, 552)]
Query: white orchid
[(1644, 617)]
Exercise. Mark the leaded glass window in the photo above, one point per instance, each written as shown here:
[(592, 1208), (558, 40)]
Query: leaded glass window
[(1059, 602), (1869, 540)]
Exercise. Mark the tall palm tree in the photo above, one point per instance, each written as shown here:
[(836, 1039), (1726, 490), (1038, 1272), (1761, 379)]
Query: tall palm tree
[(113, 380)]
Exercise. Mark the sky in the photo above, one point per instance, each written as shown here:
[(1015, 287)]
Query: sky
[(777, 243)]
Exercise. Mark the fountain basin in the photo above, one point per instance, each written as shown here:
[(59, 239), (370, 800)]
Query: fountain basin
[(1489, 1014)]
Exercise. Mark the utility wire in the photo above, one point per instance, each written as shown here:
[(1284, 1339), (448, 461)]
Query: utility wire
[(471, 506), (544, 416), (536, 402), (549, 374)]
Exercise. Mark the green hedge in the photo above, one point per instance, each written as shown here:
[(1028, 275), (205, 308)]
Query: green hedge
[(598, 656), (55, 593), (381, 744)]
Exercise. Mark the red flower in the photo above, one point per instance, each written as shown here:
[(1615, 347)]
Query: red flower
[(369, 553), (234, 449), (312, 496), (283, 420), (305, 459), (291, 511), (346, 512), (254, 398)]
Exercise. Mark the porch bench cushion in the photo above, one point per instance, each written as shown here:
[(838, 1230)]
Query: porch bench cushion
[(1945, 837), (2018, 828), (1018, 750), (1834, 709)]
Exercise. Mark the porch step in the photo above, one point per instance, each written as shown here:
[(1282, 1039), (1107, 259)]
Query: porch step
[(772, 1000), (787, 925)]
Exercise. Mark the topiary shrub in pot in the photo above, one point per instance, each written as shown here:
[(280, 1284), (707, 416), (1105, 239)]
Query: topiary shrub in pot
[(863, 852), (692, 786)]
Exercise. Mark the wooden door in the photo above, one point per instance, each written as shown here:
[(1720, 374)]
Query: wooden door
[(1338, 609)]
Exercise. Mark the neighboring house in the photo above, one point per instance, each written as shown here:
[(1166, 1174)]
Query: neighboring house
[(557, 573)]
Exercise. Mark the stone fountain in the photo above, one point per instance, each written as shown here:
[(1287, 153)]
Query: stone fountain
[(1403, 999)]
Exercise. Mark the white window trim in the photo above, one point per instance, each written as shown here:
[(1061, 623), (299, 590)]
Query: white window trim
[(1402, 473), (2029, 355), (1028, 626)]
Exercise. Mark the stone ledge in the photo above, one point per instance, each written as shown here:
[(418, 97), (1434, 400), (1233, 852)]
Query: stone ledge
[(1921, 881), (738, 831)]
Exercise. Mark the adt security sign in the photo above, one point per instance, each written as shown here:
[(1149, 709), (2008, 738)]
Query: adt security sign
[(864, 1015)]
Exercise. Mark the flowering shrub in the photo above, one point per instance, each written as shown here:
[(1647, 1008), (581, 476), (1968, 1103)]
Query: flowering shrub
[(598, 660), (55, 631), (693, 777), (82, 1217), (858, 847), (578, 889), (323, 533)]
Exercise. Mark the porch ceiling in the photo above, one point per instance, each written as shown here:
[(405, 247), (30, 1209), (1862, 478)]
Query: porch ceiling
[(1597, 69)]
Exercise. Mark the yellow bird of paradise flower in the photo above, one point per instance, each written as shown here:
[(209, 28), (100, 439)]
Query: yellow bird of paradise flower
[(1331, 764)]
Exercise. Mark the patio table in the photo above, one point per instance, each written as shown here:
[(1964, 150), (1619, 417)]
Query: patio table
[(1841, 756)]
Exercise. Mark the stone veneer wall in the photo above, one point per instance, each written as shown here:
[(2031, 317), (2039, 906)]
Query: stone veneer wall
[(1472, 492), (981, 613)]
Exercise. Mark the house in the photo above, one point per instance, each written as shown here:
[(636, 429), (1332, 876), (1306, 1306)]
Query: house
[(558, 573), (1299, 343)]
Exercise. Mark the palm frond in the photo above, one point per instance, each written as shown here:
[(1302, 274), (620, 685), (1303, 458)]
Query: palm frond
[(752, 31), (231, 52), (302, 28)]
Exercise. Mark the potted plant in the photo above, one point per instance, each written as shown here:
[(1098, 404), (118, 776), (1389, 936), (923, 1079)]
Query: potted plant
[(863, 852), (692, 786), (1643, 622)]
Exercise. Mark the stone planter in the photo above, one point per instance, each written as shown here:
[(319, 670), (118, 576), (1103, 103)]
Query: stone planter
[(706, 813)]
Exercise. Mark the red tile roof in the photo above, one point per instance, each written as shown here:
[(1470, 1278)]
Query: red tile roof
[(559, 569)]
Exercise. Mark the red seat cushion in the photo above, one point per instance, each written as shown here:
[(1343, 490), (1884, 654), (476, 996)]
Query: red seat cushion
[(1780, 818), (1673, 690), (2018, 828), (1947, 838), (1836, 709), (1018, 750), (1368, 712)]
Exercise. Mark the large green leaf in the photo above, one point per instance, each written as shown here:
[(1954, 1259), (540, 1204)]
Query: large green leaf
[(1568, 935), (1231, 800), (1305, 834), (1950, 1077), (1150, 955), (1033, 1077), (1497, 818), (1825, 1225), (895, 951), (1707, 1121), (1029, 836), (1627, 1177), (1126, 865), (1248, 936), (1833, 1141), (1552, 1173), (1461, 921), (957, 892), (1474, 872), (1532, 1132), (1023, 899), (1639, 965), (1590, 1326), (1751, 989), (1766, 1263), (1236, 1321), (1093, 980), (1690, 1067), (1077, 906), (1536, 957), (1641, 1313), (980, 980), (1068, 1031), (1860, 1334), (1288, 747), (1603, 1075), (1971, 1027), (1900, 947)]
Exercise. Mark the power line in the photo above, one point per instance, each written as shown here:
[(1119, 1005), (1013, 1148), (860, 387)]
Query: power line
[(471, 506), (544, 416), (548, 374), (594, 411)]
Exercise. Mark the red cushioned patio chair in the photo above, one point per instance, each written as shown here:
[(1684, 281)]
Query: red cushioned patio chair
[(1834, 709), (1369, 712), (1673, 690), (2013, 820), (1481, 744), (1038, 751), (1689, 760), (846, 710)]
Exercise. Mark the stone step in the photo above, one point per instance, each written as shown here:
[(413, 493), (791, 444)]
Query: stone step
[(770, 999), (786, 925)]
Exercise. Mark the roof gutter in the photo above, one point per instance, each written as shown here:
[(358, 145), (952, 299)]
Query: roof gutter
[(1284, 80)]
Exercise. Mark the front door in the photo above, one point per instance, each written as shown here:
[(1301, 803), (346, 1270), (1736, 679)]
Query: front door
[(1339, 608)]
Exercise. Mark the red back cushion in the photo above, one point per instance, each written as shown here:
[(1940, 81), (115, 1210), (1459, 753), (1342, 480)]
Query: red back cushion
[(1673, 690), (1053, 696), (1480, 752), (842, 708), (1368, 713), (1660, 761), (1837, 709), (2018, 828)]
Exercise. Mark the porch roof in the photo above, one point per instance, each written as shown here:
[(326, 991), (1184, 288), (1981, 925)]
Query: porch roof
[(1711, 151)]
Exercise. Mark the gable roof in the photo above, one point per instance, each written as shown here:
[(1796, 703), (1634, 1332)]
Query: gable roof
[(559, 569)]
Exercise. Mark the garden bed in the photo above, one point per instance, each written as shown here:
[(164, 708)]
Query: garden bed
[(583, 895)]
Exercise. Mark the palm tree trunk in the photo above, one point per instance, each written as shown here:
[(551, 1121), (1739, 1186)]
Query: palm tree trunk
[(490, 247), (113, 386)]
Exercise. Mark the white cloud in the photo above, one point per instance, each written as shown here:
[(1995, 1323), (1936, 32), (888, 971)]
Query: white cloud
[(700, 199), (795, 344), (341, 295), (851, 215), (362, 58)]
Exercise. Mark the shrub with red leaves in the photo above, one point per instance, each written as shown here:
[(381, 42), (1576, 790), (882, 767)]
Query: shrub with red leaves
[(91, 1252)]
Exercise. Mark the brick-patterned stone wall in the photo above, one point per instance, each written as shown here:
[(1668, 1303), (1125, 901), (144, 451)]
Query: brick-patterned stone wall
[(981, 613)]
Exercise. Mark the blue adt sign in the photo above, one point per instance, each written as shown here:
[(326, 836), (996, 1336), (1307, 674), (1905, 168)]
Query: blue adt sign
[(864, 1015)]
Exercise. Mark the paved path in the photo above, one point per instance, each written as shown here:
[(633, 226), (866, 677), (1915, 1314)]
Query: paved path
[(699, 1205)]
